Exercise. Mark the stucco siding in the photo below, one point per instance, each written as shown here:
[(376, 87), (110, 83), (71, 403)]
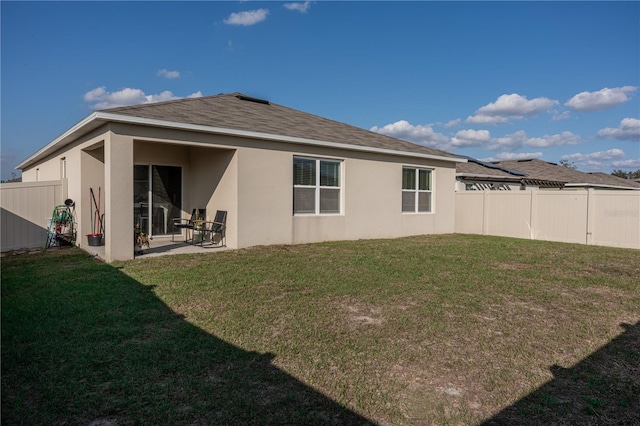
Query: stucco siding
[(264, 197), (212, 182), (371, 194)]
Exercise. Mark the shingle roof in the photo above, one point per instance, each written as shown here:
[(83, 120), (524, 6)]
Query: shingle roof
[(542, 170), (606, 179), (480, 170), (475, 168), (240, 112)]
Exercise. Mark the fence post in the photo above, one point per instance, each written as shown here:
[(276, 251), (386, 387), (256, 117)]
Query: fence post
[(533, 214), (485, 214), (590, 216)]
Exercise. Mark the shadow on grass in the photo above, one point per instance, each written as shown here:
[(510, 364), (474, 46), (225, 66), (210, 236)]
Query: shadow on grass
[(603, 388), (83, 343)]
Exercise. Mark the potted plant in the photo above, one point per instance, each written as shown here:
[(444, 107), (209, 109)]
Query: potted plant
[(140, 239)]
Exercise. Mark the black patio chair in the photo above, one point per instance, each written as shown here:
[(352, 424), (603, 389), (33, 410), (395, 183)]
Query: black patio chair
[(218, 227), (198, 216)]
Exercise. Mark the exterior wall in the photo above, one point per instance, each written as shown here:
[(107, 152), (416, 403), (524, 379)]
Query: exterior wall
[(92, 170), (265, 197), (118, 203), (26, 207), (609, 218), (213, 183), (371, 199)]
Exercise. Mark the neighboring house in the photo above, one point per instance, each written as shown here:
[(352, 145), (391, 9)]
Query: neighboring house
[(599, 178), (476, 175), (573, 179), (284, 176)]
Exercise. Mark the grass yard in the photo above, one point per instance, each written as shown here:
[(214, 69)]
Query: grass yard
[(442, 329)]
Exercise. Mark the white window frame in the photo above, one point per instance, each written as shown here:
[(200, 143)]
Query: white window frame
[(418, 191), (317, 187)]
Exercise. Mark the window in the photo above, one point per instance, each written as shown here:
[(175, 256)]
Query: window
[(316, 186), (416, 190)]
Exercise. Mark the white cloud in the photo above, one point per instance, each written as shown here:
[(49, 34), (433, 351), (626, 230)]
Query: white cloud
[(610, 154), (421, 134), (486, 119), (168, 74), (449, 124), (300, 7), (516, 105), (594, 160), (564, 138), (519, 139), (629, 129), (467, 138), (565, 115), (452, 123), (510, 107), (514, 140), (103, 99), (506, 156), (247, 18), (627, 164), (602, 99), (95, 94)]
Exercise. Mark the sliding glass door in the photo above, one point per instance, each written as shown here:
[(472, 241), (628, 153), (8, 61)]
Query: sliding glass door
[(157, 197)]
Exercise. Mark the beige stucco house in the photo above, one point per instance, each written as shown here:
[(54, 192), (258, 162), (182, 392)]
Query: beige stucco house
[(283, 176)]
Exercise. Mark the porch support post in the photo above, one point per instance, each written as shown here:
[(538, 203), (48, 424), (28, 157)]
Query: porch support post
[(118, 199)]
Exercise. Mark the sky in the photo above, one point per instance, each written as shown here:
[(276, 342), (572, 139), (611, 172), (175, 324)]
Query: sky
[(490, 80)]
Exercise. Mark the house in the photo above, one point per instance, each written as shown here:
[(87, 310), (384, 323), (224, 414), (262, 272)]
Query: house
[(284, 176), (476, 175), (599, 179), (573, 179), (532, 174)]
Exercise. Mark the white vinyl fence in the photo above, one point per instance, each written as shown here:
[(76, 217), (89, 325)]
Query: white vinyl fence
[(26, 206), (606, 218)]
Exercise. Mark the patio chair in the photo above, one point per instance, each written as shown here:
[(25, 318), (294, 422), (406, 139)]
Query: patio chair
[(217, 227), (190, 225)]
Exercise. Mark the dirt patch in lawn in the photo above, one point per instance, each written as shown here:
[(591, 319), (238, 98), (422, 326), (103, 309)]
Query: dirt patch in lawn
[(361, 315)]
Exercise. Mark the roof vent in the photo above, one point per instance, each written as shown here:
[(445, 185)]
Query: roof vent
[(250, 99)]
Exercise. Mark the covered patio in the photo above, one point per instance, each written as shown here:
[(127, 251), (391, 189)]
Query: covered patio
[(163, 247)]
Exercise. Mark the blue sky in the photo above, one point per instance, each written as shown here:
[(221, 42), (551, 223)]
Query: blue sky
[(491, 80)]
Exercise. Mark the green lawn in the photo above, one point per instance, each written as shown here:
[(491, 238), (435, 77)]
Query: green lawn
[(451, 329)]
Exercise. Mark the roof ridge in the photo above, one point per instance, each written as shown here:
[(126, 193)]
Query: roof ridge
[(187, 99)]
